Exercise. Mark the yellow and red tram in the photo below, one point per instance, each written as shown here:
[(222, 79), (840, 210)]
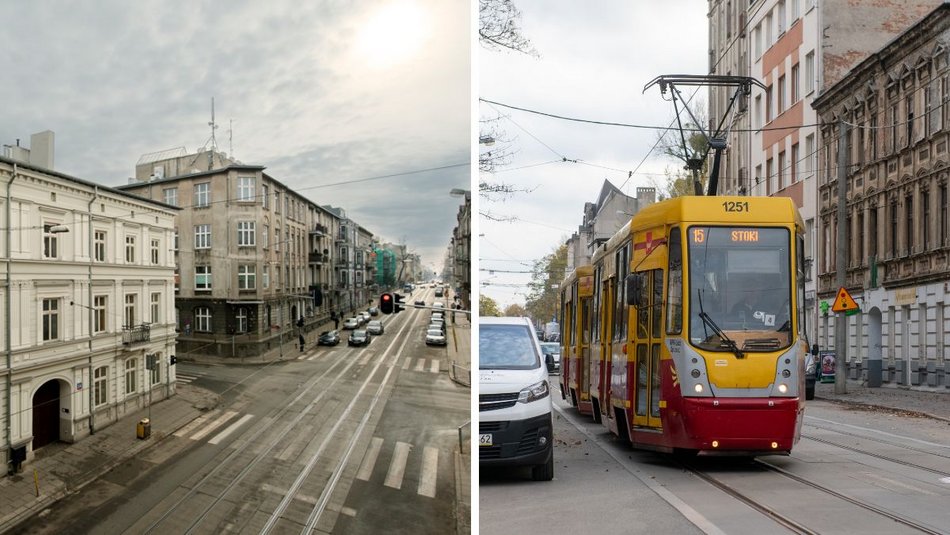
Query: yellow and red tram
[(695, 327), (576, 314)]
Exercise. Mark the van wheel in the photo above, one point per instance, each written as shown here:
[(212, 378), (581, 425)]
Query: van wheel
[(543, 472)]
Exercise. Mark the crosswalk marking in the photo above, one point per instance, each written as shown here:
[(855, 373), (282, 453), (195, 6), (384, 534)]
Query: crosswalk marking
[(185, 378), (397, 468), (369, 461), (430, 465), (420, 365), (233, 427), (434, 368), (405, 363), (213, 425), (196, 423)]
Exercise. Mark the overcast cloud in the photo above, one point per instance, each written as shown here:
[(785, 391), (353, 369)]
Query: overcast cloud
[(595, 60), (319, 93)]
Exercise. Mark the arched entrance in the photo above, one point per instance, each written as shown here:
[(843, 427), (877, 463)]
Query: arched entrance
[(875, 351), (46, 409), (293, 314)]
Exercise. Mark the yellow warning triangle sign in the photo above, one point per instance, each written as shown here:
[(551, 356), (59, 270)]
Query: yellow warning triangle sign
[(844, 302)]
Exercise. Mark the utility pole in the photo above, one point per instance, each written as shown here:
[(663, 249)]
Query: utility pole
[(841, 263)]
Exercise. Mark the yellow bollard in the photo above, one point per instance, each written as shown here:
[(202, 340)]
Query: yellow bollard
[(36, 482)]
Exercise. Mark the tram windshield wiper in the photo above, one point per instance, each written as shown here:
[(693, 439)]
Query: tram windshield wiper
[(728, 342)]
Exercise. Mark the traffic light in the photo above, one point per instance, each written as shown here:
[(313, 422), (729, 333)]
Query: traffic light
[(386, 303), (398, 303)]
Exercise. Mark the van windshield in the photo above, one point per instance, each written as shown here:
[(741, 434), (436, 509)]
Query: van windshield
[(506, 347)]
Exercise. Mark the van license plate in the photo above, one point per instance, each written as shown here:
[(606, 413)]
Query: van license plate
[(484, 439)]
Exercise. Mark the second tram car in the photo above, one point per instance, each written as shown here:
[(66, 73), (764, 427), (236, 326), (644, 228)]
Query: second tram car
[(576, 315), (695, 327)]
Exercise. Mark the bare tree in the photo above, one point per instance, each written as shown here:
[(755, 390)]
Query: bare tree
[(670, 143), (499, 27)]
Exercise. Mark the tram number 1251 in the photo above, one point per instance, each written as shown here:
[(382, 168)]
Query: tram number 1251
[(735, 206)]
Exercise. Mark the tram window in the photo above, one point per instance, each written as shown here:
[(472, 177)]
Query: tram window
[(643, 309), (674, 290), (657, 304)]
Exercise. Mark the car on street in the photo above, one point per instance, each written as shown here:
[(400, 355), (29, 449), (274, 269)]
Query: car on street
[(365, 315), (514, 409), (359, 337), (351, 323), (420, 303), (438, 292), (436, 325), (329, 338), (373, 311), (374, 327), (554, 350), (438, 304), (435, 337)]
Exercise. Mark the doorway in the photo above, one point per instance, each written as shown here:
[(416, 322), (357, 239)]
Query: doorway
[(46, 409)]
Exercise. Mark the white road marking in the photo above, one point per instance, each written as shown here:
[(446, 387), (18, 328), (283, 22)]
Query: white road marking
[(196, 423), (185, 378), (349, 511), (430, 466), (364, 360), (302, 497), (397, 468), (420, 365), (213, 425), (369, 461), (405, 363), (879, 432), (232, 428), (435, 366)]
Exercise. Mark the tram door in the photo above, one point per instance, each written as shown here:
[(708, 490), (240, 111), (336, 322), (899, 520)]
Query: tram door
[(583, 345), (648, 341)]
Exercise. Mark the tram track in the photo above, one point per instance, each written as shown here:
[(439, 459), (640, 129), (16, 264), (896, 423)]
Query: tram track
[(340, 370), (786, 520), (909, 464)]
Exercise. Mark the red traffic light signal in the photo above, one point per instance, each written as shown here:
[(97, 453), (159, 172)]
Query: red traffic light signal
[(386, 303)]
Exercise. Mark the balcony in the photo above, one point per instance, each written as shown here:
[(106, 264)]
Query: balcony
[(319, 230), (136, 334), (317, 258)]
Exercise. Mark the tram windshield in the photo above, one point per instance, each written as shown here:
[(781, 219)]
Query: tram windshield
[(739, 288)]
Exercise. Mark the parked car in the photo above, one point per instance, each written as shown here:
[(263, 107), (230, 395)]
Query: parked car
[(359, 337), (329, 338), (554, 350), (438, 304), (514, 398), (435, 325), (365, 315), (435, 337), (351, 323), (373, 311), (374, 327)]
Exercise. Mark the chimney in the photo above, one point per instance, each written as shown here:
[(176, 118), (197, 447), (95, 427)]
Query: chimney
[(41, 149)]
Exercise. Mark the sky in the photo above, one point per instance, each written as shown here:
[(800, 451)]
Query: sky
[(317, 92), (594, 61)]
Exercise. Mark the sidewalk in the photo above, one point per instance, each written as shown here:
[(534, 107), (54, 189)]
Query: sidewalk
[(62, 469), (460, 355), (931, 403)]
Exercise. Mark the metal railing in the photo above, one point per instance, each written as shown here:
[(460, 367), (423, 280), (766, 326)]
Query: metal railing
[(467, 380), (136, 334), (461, 442)]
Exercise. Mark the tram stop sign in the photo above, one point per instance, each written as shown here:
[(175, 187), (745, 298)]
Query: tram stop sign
[(845, 303)]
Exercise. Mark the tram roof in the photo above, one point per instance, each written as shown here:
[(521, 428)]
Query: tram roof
[(579, 271), (696, 209)]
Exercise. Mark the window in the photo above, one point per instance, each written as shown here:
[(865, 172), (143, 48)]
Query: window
[(203, 319), (757, 37), (810, 72), (155, 246), (928, 103), (758, 111), (155, 374), (769, 174), (266, 276), (794, 164), (156, 310), (894, 228), (202, 277), (925, 222), (129, 249), (246, 188), (810, 154), (793, 89), (276, 202), (202, 236), (768, 104), (130, 373), (175, 241), (202, 195), (780, 19), (872, 137), (265, 236), (277, 239), (99, 245), (265, 196), (758, 174), (768, 31), (909, 222), (50, 319), (794, 10), (171, 196), (909, 114), (130, 310), (247, 233), (99, 314), (246, 277), (100, 384), (943, 215), (894, 125), (240, 320), (50, 241), (872, 231)]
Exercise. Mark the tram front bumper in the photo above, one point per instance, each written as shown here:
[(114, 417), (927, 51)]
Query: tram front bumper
[(741, 425)]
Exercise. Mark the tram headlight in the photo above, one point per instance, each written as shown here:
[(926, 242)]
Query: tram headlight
[(698, 388), (783, 388), (534, 392)]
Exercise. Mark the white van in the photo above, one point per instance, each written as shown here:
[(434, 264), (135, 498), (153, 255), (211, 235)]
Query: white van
[(514, 401)]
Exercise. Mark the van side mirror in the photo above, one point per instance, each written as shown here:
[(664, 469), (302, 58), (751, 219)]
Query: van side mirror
[(634, 283), (549, 362)]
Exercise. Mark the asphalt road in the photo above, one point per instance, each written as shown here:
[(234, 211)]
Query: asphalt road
[(853, 471), (338, 440)]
